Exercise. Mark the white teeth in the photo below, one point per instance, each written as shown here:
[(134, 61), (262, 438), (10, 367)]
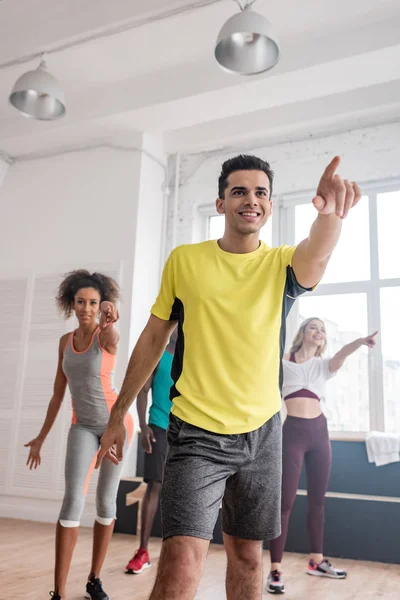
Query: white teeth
[(248, 214)]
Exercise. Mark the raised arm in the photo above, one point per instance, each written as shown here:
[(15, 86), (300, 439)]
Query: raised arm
[(337, 361), (145, 356), (60, 384), (335, 197), (109, 336)]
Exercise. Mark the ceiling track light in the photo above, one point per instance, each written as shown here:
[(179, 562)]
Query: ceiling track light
[(247, 43), (38, 95)]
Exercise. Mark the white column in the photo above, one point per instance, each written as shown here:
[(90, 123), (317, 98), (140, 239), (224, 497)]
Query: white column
[(148, 239)]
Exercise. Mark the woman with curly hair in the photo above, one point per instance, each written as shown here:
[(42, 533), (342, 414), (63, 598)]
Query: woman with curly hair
[(86, 360), (305, 438)]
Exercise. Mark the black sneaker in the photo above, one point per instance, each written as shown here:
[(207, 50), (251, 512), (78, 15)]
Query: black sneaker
[(94, 590), (275, 583), (55, 596)]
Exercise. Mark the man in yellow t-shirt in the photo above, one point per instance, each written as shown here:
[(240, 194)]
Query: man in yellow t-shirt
[(230, 299)]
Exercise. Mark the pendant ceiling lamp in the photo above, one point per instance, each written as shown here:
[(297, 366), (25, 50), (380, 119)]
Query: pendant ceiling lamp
[(247, 43), (37, 94)]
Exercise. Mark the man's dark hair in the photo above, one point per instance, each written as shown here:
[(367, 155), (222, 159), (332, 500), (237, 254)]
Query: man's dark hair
[(243, 162)]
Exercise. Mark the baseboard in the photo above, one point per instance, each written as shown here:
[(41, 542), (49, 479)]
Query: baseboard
[(39, 509)]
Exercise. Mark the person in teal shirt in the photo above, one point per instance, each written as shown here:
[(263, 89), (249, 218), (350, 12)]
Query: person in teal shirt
[(154, 443)]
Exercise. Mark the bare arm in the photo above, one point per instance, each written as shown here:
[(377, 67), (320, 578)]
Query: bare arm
[(109, 339), (60, 384), (145, 356), (335, 196), (312, 255), (109, 336), (337, 361)]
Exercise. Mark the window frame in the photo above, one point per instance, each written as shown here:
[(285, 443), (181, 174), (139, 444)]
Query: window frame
[(206, 211), (370, 287), (283, 232)]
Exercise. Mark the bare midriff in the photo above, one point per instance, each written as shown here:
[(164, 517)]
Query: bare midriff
[(304, 408)]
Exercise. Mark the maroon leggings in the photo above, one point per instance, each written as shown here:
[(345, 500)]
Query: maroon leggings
[(304, 439)]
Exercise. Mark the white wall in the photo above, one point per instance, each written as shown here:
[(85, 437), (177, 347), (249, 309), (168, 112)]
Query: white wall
[(104, 209), (3, 168), (69, 211), (149, 240), (80, 209), (367, 154)]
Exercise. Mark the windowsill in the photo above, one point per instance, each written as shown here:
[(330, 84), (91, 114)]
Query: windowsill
[(347, 436)]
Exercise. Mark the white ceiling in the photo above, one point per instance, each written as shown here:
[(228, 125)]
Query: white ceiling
[(153, 70)]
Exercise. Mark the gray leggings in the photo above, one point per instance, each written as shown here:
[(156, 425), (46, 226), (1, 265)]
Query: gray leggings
[(82, 448)]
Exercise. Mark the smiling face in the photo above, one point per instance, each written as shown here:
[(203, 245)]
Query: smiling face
[(246, 203), (87, 306), (315, 333)]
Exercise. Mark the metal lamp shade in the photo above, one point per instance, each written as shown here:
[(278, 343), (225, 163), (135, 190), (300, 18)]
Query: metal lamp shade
[(247, 44), (38, 94)]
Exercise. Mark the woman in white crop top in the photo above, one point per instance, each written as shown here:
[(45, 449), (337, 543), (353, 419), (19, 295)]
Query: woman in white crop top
[(305, 438)]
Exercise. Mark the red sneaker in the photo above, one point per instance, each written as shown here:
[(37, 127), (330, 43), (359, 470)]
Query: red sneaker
[(138, 563)]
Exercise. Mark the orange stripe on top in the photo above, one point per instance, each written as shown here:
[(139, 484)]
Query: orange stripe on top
[(107, 367), (90, 345), (74, 420), (129, 424)]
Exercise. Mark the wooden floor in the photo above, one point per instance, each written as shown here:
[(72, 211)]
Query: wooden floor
[(26, 567)]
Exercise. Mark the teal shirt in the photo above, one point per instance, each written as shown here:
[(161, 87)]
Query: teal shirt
[(160, 388)]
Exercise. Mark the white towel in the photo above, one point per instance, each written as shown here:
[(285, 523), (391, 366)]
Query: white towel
[(383, 448)]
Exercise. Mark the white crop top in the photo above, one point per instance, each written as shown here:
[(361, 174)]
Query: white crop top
[(310, 375)]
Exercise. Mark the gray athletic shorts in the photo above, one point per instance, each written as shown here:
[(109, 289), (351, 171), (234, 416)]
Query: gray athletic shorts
[(242, 471)]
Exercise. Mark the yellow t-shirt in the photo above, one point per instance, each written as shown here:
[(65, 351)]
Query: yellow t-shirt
[(231, 310)]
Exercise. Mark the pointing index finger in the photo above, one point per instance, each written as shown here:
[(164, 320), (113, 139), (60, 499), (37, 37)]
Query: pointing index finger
[(331, 168)]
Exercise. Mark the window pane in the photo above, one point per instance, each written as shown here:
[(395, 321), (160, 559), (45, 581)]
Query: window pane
[(346, 405), (216, 227), (350, 260), (390, 336), (388, 231)]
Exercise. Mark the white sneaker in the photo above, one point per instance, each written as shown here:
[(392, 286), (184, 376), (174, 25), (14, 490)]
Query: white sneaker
[(325, 569), (275, 583)]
